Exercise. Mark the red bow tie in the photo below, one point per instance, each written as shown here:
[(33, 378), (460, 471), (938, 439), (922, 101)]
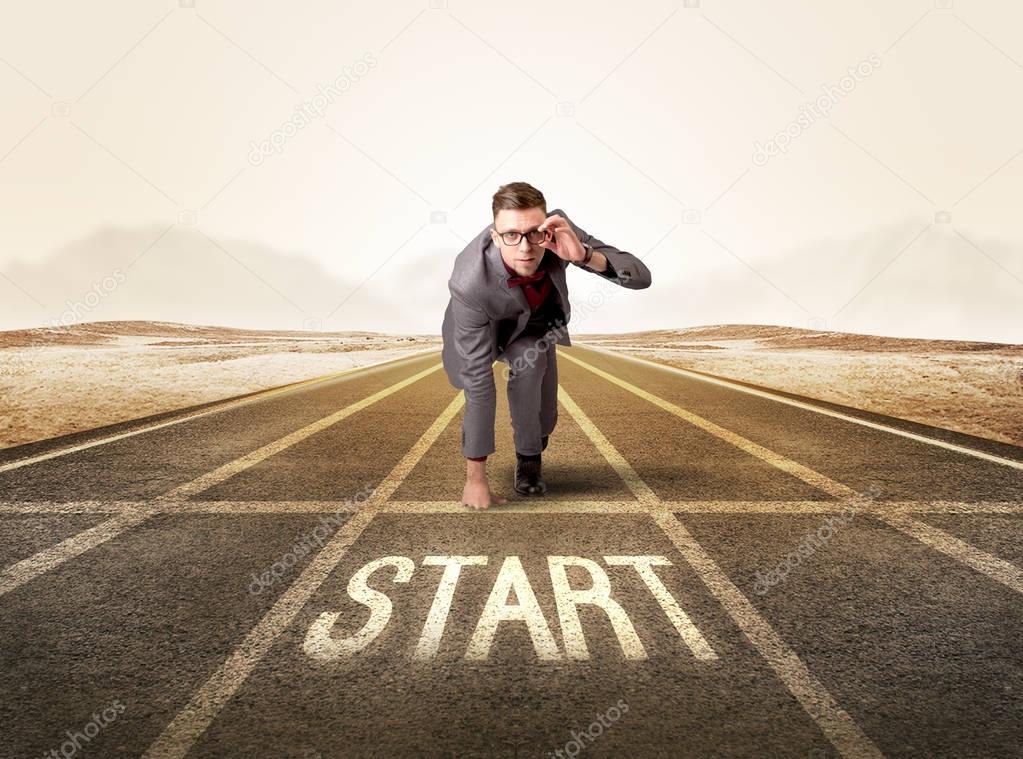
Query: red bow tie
[(526, 279)]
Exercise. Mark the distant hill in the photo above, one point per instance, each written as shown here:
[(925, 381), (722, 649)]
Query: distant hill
[(768, 336), (942, 283), (110, 332)]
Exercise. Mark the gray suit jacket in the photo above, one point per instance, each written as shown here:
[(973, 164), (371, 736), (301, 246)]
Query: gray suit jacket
[(484, 315)]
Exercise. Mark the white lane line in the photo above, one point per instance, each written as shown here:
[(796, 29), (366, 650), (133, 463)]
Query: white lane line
[(679, 619), (775, 508), (27, 569), (178, 737), (220, 406), (524, 505), (644, 494), (834, 722), (520, 505), (70, 507), (778, 461), (811, 407), (997, 569), (33, 566), (230, 469), (843, 732), (955, 507)]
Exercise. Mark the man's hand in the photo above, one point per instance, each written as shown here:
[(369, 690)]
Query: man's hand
[(477, 492), (563, 239), (478, 495)]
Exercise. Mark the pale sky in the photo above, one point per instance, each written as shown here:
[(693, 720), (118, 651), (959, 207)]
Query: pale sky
[(129, 188)]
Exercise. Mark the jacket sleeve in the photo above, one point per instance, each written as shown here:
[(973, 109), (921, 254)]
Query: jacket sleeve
[(474, 342), (625, 269)]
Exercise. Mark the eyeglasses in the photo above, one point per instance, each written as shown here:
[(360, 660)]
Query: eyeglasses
[(533, 237)]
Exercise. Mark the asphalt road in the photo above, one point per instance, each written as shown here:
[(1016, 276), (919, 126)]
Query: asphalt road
[(714, 571)]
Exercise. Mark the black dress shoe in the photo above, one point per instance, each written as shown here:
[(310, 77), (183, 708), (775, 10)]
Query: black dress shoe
[(528, 480)]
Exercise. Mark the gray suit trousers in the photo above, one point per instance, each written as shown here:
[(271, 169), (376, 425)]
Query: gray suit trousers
[(532, 374)]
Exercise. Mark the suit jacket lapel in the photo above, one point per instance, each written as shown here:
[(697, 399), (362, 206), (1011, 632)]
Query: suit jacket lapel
[(557, 275)]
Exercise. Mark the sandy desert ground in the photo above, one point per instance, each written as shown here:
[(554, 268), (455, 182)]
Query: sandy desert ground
[(60, 380), (55, 381), (970, 387)]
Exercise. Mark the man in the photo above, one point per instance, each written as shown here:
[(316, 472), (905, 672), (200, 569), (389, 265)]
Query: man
[(509, 301)]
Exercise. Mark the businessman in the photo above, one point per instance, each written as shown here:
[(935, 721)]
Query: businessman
[(509, 301)]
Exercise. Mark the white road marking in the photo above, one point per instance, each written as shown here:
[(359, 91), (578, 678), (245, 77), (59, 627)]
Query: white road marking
[(47, 559), (433, 630), (995, 568), (778, 461), (599, 595), (27, 569), (519, 505), (219, 406), (721, 382), (232, 468), (531, 505), (322, 646), (178, 737), (498, 610), (70, 507), (836, 724), (550, 506), (644, 495), (527, 506), (683, 624)]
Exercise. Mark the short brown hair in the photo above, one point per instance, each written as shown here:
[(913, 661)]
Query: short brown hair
[(518, 195)]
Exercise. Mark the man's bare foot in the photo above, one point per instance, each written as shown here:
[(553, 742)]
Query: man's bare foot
[(478, 495)]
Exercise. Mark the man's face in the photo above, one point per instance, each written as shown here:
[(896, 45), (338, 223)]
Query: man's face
[(525, 257)]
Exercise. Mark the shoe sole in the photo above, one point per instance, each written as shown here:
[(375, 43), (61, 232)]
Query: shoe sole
[(527, 492)]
